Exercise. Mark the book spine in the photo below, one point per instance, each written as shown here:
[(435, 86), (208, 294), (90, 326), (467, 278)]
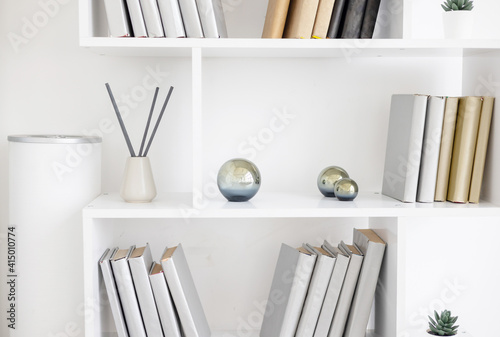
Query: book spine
[(118, 18), (323, 17), (370, 18), (152, 18), (274, 24), (354, 19), (212, 18), (171, 18), (137, 18), (336, 20), (192, 23), (166, 309), (300, 20)]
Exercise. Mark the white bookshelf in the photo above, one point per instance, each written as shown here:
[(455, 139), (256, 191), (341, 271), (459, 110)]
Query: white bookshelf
[(351, 82)]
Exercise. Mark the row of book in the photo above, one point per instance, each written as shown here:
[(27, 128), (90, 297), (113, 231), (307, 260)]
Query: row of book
[(436, 148), (152, 299), (165, 18), (324, 291), (321, 19)]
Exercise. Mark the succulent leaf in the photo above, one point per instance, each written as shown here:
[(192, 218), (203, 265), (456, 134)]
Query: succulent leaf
[(457, 5), (442, 325)]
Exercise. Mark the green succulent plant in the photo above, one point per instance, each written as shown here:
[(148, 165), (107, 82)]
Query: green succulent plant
[(443, 325), (457, 5)]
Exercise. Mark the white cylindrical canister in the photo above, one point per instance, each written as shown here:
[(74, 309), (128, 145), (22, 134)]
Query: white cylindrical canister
[(51, 178)]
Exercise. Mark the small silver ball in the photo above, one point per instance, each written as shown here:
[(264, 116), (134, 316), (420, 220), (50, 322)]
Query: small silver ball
[(238, 180), (327, 179), (346, 189)]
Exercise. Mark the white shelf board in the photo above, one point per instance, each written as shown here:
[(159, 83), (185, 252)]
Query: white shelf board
[(279, 205), (234, 47)]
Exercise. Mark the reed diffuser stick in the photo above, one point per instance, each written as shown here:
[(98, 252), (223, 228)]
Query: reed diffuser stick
[(120, 120), (149, 121), (158, 121)]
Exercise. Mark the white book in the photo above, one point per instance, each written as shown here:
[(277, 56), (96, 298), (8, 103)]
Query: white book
[(171, 18), (113, 297), (333, 291), (404, 146), (191, 18), (288, 291), (140, 262), (345, 298), (316, 292), (152, 18), (430, 149), (125, 285), (118, 19), (372, 247), (137, 18), (212, 18), (183, 291), (166, 310)]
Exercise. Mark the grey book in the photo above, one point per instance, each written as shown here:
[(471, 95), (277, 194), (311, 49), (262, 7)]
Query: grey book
[(212, 18), (191, 18), (316, 292), (171, 18), (345, 298), (430, 149), (184, 294), (288, 291), (334, 29), (118, 18), (126, 290), (152, 18), (370, 19), (373, 248), (333, 291), (112, 291), (404, 146), (137, 18), (354, 19), (140, 262), (166, 310)]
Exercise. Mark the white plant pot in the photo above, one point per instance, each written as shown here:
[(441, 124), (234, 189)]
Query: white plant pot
[(458, 24), (138, 184)]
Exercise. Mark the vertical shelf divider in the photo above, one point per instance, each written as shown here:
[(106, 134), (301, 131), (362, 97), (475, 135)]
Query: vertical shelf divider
[(196, 60)]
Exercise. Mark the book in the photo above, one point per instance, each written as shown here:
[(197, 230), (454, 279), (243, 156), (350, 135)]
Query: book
[(126, 291), (354, 19), (171, 18), (430, 149), (166, 310), (184, 294), (118, 18), (274, 24), (372, 247), (212, 18), (300, 19), (191, 18), (370, 19), (137, 18), (140, 262), (346, 294), (322, 20), (481, 148), (404, 146), (333, 290), (446, 148), (152, 18), (316, 293), (464, 147), (336, 22), (288, 291), (112, 291)]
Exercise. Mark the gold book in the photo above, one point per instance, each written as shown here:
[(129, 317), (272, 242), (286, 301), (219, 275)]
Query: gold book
[(300, 20), (464, 147), (481, 148), (274, 24)]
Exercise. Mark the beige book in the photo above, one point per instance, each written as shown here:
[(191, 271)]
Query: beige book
[(274, 24), (323, 17), (481, 148), (446, 149), (300, 20), (464, 147)]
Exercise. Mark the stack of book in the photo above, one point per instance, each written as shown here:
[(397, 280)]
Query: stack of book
[(436, 148), (321, 19), (152, 299), (165, 18), (324, 291)]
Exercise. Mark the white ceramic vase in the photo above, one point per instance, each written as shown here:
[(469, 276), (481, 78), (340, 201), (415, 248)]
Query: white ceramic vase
[(138, 184), (458, 24)]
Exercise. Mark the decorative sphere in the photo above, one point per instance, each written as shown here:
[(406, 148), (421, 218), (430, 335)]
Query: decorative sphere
[(238, 179), (327, 179), (346, 189)]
